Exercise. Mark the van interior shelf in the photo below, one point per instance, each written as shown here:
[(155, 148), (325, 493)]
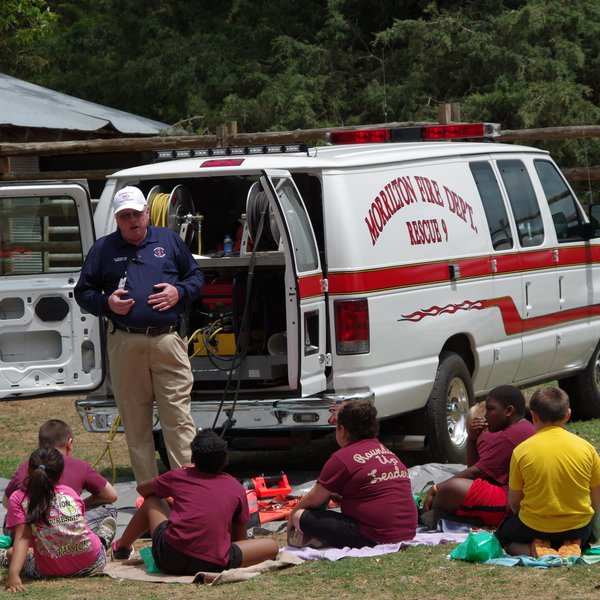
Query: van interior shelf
[(261, 259)]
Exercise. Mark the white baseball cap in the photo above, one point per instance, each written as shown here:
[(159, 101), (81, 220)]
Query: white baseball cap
[(129, 197)]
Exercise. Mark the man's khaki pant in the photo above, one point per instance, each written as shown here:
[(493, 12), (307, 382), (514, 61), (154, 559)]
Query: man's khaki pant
[(145, 369)]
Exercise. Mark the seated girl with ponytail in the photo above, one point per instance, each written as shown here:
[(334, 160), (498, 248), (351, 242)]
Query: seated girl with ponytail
[(51, 537)]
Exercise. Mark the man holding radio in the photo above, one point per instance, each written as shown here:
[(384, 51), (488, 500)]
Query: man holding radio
[(142, 278)]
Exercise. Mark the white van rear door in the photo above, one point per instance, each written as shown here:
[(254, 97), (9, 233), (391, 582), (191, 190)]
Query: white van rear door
[(47, 344), (305, 313)]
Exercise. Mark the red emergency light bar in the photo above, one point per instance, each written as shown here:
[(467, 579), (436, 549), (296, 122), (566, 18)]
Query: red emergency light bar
[(360, 136), (455, 131)]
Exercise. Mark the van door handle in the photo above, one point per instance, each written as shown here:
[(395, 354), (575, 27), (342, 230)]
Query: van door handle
[(527, 295), (561, 300), (454, 271)]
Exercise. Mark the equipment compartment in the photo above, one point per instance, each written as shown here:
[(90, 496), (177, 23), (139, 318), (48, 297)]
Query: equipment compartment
[(237, 326), (234, 328)]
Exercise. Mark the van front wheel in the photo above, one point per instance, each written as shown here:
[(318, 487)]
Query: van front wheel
[(447, 409), (584, 389)]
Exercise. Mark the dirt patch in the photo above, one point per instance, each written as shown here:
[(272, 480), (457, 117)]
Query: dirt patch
[(20, 421)]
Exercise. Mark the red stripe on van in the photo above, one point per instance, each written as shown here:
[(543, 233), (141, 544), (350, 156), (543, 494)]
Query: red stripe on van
[(532, 261), (407, 276), (507, 263), (575, 255), (374, 280), (310, 286), (513, 323)]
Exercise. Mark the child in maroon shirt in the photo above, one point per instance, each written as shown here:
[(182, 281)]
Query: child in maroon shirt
[(481, 491), (77, 474), (205, 527), (371, 483)]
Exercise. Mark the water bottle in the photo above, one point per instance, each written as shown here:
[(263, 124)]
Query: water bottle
[(227, 245)]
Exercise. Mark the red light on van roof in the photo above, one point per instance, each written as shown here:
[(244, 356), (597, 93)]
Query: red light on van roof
[(223, 162), (361, 136), (455, 131)]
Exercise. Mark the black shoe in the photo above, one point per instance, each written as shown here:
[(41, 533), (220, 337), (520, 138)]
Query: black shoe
[(119, 553)]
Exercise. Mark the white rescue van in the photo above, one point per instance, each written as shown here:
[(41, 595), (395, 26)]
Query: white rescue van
[(414, 274)]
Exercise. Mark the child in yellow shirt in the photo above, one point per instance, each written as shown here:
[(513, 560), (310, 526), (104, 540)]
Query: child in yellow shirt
[(554, 485)]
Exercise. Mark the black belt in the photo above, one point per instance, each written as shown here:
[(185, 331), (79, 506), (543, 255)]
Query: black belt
[(146, 330)]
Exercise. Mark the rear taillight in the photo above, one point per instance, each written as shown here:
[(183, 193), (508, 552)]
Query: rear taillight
[(351, 326), (222, 162)]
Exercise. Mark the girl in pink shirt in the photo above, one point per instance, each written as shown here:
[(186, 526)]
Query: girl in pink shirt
[(51, 537)]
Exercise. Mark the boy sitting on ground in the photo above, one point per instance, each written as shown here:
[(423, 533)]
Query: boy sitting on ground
[(204, 529), (554, 485), (77, 474), (479, 494)]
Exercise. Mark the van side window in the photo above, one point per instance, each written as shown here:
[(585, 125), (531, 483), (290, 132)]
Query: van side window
[(523, 201), (303, 242), (493, 205), (39, 235), (563, 206)]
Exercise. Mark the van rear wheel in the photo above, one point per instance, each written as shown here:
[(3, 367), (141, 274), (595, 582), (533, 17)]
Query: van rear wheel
[(447, 409), (584, 389)]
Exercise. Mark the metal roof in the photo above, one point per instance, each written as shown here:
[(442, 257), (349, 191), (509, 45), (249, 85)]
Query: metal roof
[(24, 104)]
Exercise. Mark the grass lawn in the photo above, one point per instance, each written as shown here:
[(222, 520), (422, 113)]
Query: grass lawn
[(413, 573)]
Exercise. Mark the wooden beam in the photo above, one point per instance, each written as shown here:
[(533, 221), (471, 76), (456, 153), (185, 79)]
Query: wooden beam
[(184, 141), (99, 146), (444, 113), (550, 133), (228, 137), (41, 175), (582, 173)]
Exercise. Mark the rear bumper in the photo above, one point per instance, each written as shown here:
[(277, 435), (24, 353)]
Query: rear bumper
[(289, 414)]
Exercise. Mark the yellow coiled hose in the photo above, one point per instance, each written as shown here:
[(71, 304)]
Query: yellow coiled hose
[(159, 209)]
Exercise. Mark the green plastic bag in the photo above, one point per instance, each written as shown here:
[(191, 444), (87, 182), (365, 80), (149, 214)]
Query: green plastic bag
[(478, 547), (5, 541), (146, 554)]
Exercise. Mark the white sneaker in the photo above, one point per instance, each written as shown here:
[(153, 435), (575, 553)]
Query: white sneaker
[(107, 531)]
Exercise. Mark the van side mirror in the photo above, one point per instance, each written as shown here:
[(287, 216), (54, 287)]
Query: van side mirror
[(592, 229), (588, 231)]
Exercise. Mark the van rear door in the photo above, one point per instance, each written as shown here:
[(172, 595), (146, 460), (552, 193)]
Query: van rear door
[(305, 297), (47, 344)]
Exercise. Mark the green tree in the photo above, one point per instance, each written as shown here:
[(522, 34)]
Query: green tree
[(23, 24), (279, 64), (270, 64), (523, 64)]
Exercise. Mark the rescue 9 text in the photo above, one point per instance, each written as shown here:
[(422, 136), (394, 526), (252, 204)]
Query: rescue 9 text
[(408, 190)]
